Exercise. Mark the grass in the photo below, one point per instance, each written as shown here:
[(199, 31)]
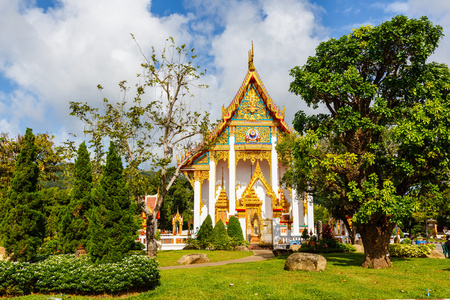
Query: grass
[(342, 279), (170, 258)]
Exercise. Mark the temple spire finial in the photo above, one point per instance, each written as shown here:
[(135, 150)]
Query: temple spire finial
[(251, 66)]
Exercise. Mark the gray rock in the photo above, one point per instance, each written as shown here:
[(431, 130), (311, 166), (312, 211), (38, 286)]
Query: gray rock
[(195, 258), (242, 248), (306, 262)]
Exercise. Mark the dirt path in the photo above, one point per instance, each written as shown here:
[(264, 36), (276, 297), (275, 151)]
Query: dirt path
[(258, 255)]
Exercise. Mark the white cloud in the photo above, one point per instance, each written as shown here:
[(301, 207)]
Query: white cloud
[(284, 36), (397, 7), (62, 54)]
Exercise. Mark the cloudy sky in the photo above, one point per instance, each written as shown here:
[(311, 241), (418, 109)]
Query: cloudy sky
[(56, 51)]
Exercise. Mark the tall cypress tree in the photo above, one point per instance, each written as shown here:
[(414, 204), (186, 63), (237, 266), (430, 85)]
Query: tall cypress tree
[(23, 226), (234, 229), (74, 223), (112, 228)]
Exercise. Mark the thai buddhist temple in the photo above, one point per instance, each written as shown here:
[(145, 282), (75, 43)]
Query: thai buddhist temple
[(239, 175)]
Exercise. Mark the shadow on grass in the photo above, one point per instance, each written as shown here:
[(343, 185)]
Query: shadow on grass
[(345, 259), (338, 259)]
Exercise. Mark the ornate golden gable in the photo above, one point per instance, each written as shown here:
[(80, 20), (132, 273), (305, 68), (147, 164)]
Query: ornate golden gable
[(258, 175)]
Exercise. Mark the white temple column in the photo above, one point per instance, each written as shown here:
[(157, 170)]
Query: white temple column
[(295, 214), (232, 176), (309, 203), (197, 200), (274, 162), (212, 188), (243, 223)]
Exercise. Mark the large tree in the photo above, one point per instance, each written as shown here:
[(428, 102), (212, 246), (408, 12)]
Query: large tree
[(74, 223), (384, 143), (112, 229), (152, 129), (23, 228)]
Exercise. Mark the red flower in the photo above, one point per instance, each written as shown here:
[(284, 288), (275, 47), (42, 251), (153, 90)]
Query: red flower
[(59, 250)]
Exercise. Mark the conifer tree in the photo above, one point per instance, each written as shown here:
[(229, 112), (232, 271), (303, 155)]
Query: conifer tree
[(74, 222), (112, 228), (234, 229), (23, 226), (204, 235), (220, 237)]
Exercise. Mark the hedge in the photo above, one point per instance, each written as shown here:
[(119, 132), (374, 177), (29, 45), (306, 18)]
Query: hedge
[(406, 250), (68, 274)]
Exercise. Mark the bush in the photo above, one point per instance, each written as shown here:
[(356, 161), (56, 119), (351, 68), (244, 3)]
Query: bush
[(204, 235), (406, 241), (305, 234), (326, 246), (67, 274), (406, 250), (234, 229), (220, 237)]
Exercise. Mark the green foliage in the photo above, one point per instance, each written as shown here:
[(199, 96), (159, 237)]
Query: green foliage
[(305, 234), (381, 151), (220, 239), (234, 229), (328, 245), (23, 226), (67, 274), (74, 223), (408, 250), (406, 241), (321, 214), (112, 228), (205, 233)]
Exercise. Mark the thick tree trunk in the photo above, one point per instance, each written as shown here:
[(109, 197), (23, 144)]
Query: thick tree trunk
[(376, 237), (152, 247)]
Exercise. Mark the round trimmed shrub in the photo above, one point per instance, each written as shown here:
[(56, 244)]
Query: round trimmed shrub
[(204, 235), (234, 229), (220, 237)]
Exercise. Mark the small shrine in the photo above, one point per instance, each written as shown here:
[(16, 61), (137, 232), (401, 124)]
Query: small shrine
[(244, 151)]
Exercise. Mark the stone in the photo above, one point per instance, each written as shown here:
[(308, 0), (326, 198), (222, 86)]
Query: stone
[(242, 248), (295, 247), (359, 247), (2, 253), (306, 262), (436, 254), (195, 258), (279, 252), (80, 251)]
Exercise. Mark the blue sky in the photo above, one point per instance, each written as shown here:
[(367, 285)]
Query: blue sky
[(56, 51)]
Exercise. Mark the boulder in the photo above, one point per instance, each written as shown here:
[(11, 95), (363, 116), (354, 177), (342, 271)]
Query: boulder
[(436, 254), (306, 262), (242, 248), (279, 252), (195, 258), (295, 247), (359, 248)]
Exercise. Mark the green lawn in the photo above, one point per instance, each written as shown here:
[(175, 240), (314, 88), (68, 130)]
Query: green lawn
[(170, 258), (343, 279)]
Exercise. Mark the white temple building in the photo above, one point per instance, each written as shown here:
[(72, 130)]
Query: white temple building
[(240, 174)]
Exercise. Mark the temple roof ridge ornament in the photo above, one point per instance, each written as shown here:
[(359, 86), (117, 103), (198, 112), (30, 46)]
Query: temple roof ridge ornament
[(251, 66)]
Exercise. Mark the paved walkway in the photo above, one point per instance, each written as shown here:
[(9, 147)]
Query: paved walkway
[(258, 255)]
